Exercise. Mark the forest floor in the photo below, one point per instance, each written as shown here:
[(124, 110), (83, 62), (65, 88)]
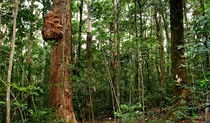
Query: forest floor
[(158, 115)]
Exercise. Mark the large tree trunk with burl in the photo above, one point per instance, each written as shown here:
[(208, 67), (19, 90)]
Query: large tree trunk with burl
[(57, 26)]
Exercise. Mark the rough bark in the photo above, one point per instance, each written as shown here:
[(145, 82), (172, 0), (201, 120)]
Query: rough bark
[(178, 60), (57, 26), (8, 105)]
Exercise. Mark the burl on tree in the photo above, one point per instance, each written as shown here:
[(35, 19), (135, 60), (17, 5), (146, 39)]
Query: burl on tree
[(52, 28)]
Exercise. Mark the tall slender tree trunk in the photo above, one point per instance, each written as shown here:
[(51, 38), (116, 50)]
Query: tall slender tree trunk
[(164, 16), (30, 49), (80, 36), (161, 48), (89, 114), (137, 77), (165, 23), (177, 54), (141, 4), (114, 60), (57, 26), (29, 98), (185, 13), (8, 105), (88, 98)]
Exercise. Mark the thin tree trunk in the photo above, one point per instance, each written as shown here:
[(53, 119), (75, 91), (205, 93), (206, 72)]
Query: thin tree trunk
[(29, 98), (164, 16), (161, 48), (142, 92), (8, 105), (185, 13), (202, 7), (137, 80), (89, 104), (165, 24), (129, 65), (141, 4), (80, 36), (115, 65), (163, 13)]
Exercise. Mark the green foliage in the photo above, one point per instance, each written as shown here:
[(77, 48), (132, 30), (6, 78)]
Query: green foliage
[(197, 53), (180, 113), (130, 114), (31, 89), (131, 47), (28, 28)]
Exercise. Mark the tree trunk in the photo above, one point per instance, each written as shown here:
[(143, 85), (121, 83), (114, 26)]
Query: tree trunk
[(141, 4), (164, 16), (29, 98), (30, 49), (57, 26), (161, 48), (8, 105), (115, 65), (185, 13), (165, 24), (177, 39), (89, 114), (80, 37), (137, 80)]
